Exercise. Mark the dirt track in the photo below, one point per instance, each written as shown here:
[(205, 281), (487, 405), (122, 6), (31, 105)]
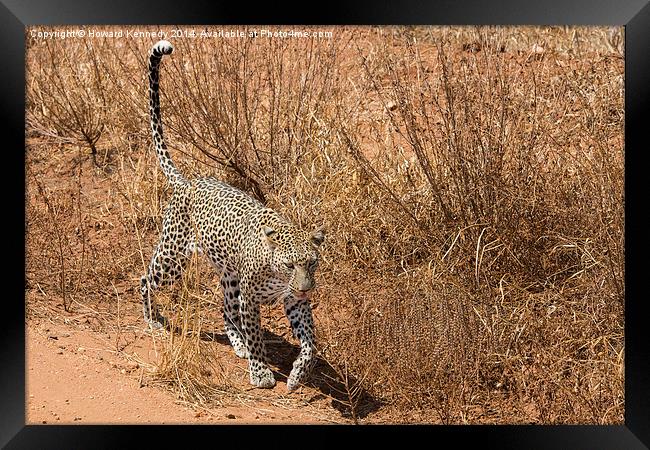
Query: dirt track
[(74, 377)]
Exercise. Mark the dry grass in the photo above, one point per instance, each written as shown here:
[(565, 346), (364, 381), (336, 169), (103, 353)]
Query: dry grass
[(470, 179)]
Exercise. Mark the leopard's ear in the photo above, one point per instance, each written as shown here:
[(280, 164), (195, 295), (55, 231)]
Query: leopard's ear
[(318, 236), (269, 235)]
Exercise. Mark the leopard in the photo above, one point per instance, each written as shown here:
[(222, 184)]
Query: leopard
[(261, 257)]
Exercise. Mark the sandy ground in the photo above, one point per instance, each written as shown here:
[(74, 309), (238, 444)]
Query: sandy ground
[(76, 376), (70, 383)]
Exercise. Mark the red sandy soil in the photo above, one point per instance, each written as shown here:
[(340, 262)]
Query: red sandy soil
[(76, 376)]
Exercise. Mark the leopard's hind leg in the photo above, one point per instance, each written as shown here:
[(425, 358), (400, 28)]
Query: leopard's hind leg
[(169, 259)]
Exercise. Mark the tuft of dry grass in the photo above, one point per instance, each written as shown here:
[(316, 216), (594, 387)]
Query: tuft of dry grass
[(470, 179), (189, 361)]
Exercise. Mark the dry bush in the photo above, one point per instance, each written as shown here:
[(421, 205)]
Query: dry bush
[(470, 180), (189, 361), (68, 95), (496, 180), (253, 107)]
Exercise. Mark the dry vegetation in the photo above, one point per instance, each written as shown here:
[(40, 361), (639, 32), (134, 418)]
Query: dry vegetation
[(470, 179)]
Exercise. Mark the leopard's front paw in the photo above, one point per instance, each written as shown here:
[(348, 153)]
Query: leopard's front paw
[(302, 367), (296, 377), (292, 383), (262, 378)]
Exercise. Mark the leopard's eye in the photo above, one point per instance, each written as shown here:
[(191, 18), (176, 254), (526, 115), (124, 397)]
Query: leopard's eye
[(289, 265)]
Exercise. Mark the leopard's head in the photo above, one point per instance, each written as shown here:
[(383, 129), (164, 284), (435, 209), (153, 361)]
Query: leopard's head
[(295, 255)]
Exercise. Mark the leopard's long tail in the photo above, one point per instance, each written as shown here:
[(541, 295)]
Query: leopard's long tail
[(166, 164)]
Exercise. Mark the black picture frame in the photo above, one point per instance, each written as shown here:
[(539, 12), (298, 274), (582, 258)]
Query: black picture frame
[(15, 15)]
